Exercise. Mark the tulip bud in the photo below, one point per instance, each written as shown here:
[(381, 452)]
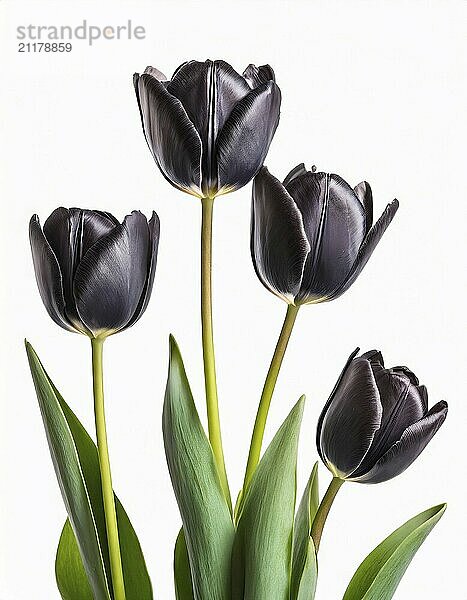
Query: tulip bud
[(208, 128), (312, 235), (376, 421), (95, 275)]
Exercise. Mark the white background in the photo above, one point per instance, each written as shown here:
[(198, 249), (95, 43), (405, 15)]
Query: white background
[(371, 90)]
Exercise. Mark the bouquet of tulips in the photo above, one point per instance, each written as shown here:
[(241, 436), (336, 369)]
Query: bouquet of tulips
[(209, 130)]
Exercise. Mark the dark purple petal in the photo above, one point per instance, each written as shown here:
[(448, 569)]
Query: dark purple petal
[(155, 73), (402, 406), (424, 397), (326, 406), (70, 233), (295, 172), (376, 359), (366, 249), (351, 419), (365, 195), (48, 276), (208, 91), (154, 233), (334, 221), (171, 136), (244, 140), (111, 277), (256, 76), (412, 442), (278, 242)]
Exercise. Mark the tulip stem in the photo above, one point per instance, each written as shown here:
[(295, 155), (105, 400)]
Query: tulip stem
[(323, 510), (208, 347), (268, 390), (106, 477)]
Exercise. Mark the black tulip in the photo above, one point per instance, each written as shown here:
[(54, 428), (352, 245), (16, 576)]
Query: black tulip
[(376, 421), (209, 128), (95, 275), (312, 235)]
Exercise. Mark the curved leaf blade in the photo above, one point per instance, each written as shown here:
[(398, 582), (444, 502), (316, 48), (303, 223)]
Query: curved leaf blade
[(137, 582), (71, 479), (379, 574), (304, 566), (72, 580), (207, 522), (263, 543), (309, 579), (182, 575)]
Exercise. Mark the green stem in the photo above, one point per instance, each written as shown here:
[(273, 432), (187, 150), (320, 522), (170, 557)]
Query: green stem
[(208, 346), (106, 477), (323, 510), (266, 396)]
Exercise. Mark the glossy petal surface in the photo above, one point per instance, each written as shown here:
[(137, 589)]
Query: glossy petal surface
[(279, 246), (402, 405), (366, 250), (154, 234), (171, 136), (256, 76), (48, 276), (352, 418), (334, 221), (70, 233), (244, 141), (412, 442), (111, 278)]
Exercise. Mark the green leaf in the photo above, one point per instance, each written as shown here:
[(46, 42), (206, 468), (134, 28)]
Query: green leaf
[(379, 574), (71, 577), (304, 566), (70, 581), (263, 544), (182, 575), (207, 522), (71, 475)]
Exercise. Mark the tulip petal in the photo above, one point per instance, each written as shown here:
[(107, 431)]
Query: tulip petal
[(155, 73), (244, 140), (70, 234), (352, 418), (279, 246), (368, 246), (365, 195), (154, 233), (111, 277), (334, 220), (256, 76), (412, 442), (402, 405), (208, 91), (171, 136), (48, 276), (326, 406), (295, 172)]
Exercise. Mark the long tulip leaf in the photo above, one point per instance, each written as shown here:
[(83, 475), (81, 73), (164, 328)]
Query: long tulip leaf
[(307, 586), (207, 522), (182, 575), (137, 582), (379, 574), (71, 576), (304, 566), (263, 544), (76, 491)]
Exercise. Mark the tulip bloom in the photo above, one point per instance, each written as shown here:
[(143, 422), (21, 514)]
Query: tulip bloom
[(312, 235), (208, 128), (376, 422), (95, 275)]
